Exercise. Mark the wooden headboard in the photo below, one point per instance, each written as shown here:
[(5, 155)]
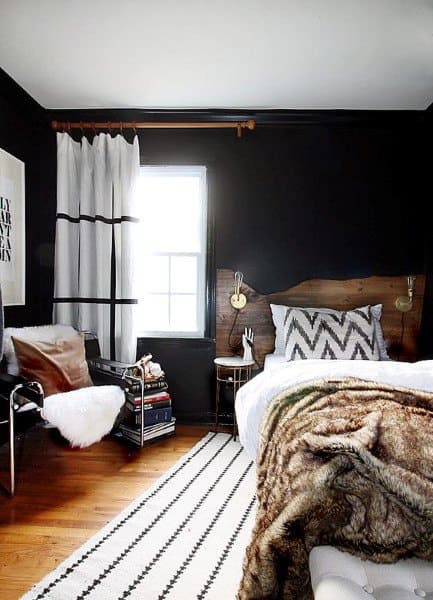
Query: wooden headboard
[(401, 330)]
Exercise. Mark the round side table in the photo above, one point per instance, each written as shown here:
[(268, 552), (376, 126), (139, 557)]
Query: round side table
[(233, 371)]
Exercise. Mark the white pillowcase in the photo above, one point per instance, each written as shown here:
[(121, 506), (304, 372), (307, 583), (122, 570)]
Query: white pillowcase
[(40, 333), (279, 311)]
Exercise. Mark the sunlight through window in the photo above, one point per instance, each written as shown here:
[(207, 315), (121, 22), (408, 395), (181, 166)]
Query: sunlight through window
[(172, 207)]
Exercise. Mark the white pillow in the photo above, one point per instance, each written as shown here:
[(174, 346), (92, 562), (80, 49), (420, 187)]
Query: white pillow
[(279, 311), (40, 333), (341, 335)]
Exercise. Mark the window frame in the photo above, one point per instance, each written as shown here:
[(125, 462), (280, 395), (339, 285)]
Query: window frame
[(205, 294)]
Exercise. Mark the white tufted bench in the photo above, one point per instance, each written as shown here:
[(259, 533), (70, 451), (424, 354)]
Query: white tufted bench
[(336, 575)]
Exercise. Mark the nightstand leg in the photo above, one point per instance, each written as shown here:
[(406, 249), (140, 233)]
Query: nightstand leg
[(12, 443), (217, 401), (236, 378)]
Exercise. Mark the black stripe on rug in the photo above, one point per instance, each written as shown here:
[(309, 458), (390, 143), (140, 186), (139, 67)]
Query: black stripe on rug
[(224, 554), (97, 581), (202, 538), (176, 532), (69, 570), (115, 563)]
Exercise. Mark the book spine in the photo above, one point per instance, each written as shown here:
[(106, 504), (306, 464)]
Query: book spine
[(148, 386), (149, 398), (149, 436), (150, 428), (150, 432), (157, 435), (136, 407), (152, 417)]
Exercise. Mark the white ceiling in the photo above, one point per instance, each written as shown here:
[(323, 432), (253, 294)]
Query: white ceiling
[(290, 54)]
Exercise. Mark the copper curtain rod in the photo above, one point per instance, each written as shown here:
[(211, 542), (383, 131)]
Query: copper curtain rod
[(238, 125)]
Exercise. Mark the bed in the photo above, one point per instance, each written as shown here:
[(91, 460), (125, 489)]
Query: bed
[(279, 374), (334, 574)]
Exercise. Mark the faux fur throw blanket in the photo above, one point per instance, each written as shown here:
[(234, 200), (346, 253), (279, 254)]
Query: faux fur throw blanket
[(343, 462)]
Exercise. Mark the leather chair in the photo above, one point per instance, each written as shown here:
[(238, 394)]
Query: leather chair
[(21, 401)]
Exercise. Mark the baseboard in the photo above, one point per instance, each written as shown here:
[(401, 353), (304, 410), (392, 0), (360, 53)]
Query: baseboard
[(187, 417), (202, 418)]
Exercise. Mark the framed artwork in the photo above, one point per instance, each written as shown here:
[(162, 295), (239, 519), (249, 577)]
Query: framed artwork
[(12, 229)]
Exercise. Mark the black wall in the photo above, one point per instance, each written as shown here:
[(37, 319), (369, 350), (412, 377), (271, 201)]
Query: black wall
[(305, 195), (300, 202), (324, 195), (321, 194), (427, 321), (25, 133), (322, 201)]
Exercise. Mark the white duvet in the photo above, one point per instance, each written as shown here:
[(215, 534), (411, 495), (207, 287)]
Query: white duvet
[(253, 398)]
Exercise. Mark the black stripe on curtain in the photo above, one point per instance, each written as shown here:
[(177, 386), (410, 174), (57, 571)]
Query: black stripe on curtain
[(98, 300), (113, 221), (113, 302)]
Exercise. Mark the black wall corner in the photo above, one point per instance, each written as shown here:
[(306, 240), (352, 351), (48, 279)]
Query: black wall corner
[(25, 133)]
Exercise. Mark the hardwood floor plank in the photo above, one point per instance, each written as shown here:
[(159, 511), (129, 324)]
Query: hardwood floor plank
[(64, 496)]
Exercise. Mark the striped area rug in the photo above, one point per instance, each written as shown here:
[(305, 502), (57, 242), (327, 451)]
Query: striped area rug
[(184, 538)]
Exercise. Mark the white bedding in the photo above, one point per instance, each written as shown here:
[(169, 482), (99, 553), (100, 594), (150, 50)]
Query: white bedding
[(273, 360), (253, 397)]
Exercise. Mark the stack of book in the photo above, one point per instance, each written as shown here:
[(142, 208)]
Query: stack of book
[(149, 417)]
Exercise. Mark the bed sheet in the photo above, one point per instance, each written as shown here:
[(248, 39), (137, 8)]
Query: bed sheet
[(273, 360), (253, 398)]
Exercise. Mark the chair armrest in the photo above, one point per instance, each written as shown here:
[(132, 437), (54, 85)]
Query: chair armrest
[(30, 390)]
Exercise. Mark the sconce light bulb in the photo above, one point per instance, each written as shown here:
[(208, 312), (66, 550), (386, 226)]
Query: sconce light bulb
[(410, 285)]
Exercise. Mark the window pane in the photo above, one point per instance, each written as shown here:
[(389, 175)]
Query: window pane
[(153, 313), (154, 275), (170, 213), (183, 276), (172, 246), (183, 312)]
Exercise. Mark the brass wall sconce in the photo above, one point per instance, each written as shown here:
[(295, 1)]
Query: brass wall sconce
[(238, 300), (404, 303)]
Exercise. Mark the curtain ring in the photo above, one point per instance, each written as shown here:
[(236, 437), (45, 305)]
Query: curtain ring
[(82, 129), (134, 128), (94, 129), (121, 128), (109, 127)]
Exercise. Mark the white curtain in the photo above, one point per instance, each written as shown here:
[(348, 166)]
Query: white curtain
[(96, 232)]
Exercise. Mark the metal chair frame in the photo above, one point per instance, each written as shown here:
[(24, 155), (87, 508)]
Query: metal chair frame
[(13, 407)]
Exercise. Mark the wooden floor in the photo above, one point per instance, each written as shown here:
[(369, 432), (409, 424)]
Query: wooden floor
[(64, 496)]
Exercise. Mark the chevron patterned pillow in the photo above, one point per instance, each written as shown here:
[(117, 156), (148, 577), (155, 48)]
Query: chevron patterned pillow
[(340, 335)]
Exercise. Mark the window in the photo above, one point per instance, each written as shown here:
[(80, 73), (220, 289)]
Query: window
[(172, 246)]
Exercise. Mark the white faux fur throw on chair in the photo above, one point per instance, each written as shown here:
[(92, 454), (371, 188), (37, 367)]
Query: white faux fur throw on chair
[(84, 416)]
